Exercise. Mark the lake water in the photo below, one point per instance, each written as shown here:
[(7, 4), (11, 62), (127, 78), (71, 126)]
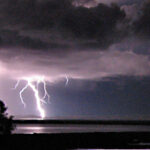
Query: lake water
[(71, 128)]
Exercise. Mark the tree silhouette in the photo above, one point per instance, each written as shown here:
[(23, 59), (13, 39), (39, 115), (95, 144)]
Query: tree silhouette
[(6, 124)]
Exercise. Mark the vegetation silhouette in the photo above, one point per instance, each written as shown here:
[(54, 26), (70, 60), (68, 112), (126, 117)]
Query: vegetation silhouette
[(6, 122)]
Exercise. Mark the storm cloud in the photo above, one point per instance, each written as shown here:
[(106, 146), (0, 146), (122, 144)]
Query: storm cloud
[(79, 26), (78, 65), (58, 38), (142, 25), (51, 24)]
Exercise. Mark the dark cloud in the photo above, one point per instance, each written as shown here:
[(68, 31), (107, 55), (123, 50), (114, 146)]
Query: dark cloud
[(92, 3), (36, 14), (98, 24), (69, 27), (142, 25), (60, 27), (10, 38)]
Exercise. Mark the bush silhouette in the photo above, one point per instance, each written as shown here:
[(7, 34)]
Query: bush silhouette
[(6, 124)]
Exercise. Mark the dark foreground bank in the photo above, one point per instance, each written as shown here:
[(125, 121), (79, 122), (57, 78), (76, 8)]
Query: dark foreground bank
[(76, 140)]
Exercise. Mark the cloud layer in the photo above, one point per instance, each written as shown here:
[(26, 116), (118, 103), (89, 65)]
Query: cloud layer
[(78, 65), (58, 38), (79, 26)]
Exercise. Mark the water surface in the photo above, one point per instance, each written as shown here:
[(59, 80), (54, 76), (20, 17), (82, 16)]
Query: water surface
[(75, 128)]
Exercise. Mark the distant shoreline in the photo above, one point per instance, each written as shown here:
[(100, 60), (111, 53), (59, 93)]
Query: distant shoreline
[(85, 122)]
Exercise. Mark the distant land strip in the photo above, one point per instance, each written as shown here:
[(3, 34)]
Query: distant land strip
[(85, 122)]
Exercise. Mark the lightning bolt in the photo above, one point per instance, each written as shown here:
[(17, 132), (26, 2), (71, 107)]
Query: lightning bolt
[(21, 94), (67, 80), (31, 81)]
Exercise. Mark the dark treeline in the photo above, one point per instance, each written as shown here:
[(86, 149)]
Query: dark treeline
[(6, 123)]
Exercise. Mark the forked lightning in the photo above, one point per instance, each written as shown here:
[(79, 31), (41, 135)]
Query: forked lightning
[(33, 83)]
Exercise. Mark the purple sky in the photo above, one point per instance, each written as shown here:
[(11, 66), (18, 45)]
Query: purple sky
[(88, 45)]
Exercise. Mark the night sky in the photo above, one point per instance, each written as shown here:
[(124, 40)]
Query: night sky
[(101, 46)]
